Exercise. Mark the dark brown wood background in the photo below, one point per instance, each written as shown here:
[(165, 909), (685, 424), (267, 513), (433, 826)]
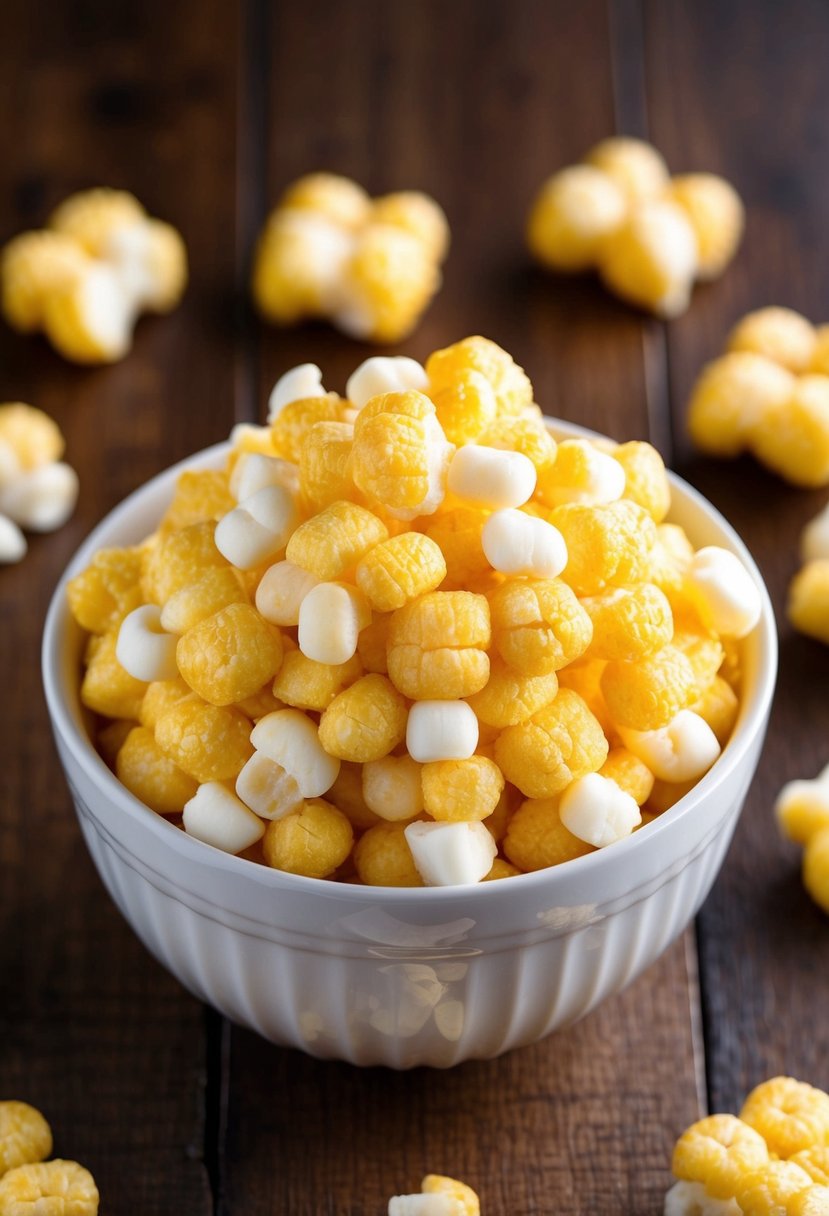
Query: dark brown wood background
[(206, 110)]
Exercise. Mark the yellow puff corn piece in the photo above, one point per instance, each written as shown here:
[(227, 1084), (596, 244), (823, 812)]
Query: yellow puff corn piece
[(400, 569), (208, 742), (646, 695), (790, 1115), (25, 1136), (808, 603), (646, 481), (557, 745), (510, 696), (635, 165), (230, 655), (313, 840), (293, 424), (177, 559), (160, 696), (333, 541), (347, 795), (513, 390), (669, 559), (607, 546), (794, 438), (538, 625), (109, 739), (372, 642), (307, 684), (719, 1152), (501, 869), (148, 773), (820, 355), (718, 706), (529, 436), (102, 594), (107, 688), (813, 1201), (364, 722), (464, 1197), (400, 455), (393, 788), (386, 284), (324, 464), (772, 1190), (383, 858), (201, 494), (34, 438), (585, 678), (91, 216), (466, 407), (574, 213), (437, 646), (732, 399), (337, 198), (652, 259), (629, 624), (417, 214), (536, 837), (779, 334), (33, 267), (458, 533), (717, 216), (461, 789), (50, 1188), (630, 773), (815, 1161), (216, 588)]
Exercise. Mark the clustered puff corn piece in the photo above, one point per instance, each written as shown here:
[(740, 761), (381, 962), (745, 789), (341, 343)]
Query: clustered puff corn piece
[(370, 266), (772, 1160), (28, 1182), (405, 638), (650, 236), (768, 395), (808, 601), (38, 491), (438, 1196), (802, 811), (85, 279)]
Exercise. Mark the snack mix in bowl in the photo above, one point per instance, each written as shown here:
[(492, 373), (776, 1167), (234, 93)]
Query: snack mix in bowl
[(405, 638)]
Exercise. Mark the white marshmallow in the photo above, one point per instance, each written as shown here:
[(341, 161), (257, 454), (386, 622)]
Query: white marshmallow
[(108, 310), (451, 854), (258, 529), (246, 433), (295, 385), (217, 817), (253, 472), (385, 374), (605, 480), (291, 740), (491, 477), (681, 751), (441, 730), (281, 590), (692, 1199), (723, 591), (12, 541), (43, 498), (143, 648), (517, 543), (331, 616), (265, 787), (423, 1205), (814, 543), (597, 811)]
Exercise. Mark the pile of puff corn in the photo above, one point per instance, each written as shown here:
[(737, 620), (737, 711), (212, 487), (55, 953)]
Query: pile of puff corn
[(37, 490)]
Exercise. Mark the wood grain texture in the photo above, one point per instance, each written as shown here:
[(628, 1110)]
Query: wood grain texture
[(91, 1029), (476, 103), (760, 119)]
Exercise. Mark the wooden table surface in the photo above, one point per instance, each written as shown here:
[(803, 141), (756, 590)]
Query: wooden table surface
[(206, 110)]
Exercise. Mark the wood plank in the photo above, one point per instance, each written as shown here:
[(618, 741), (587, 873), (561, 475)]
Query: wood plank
[(92, 1030), (744, 93), (476, 103)]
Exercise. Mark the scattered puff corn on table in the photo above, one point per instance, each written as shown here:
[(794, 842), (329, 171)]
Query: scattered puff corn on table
[(38, 490), (370, 266), (405, 638), (29, 1184), (85, 279), (649, 235)]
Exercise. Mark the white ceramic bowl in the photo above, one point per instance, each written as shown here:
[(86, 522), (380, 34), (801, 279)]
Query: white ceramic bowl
[(391, 976)]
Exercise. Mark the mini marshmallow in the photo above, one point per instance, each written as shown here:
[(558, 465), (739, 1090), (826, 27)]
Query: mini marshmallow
[(258, 529), (814, 543), (692, 1199), (12, 542), (596, 810), (517, 543), (723, 591), (451, 854), (291, 740), (384, 374), (281, 591), (265, 787), (424, 1205), (295, 385), (217, 817), (253, 471), (681, 751), (331, 616), (441, 730), (491, 477), (143, 648), (41, 499)]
